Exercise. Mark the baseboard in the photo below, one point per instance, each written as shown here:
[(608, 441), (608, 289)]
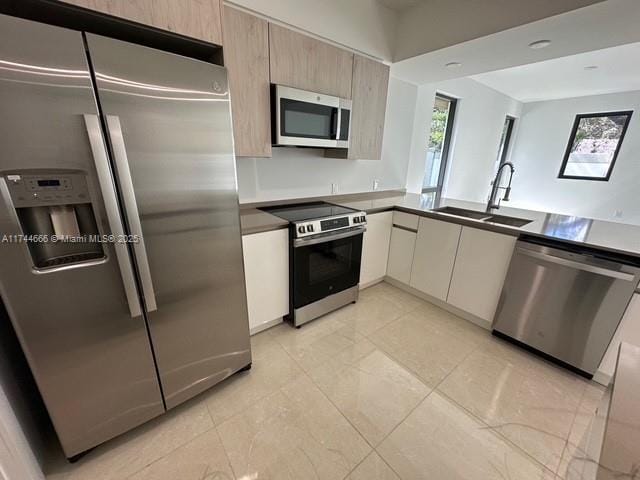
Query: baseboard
[(481, 322), (265, 326), (602, 378), (371, 283)]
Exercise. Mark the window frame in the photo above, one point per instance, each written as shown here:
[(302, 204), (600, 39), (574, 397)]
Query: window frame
[(574, 130), (448, 133)]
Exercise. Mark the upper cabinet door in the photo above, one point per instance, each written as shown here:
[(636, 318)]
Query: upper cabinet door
[(192, 18), (370, 84), (246, 56), (303, 62)]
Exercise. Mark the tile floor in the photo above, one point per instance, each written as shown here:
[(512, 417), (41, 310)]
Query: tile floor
[(389, 388)]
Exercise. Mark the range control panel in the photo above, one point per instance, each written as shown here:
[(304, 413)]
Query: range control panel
[(322, 225), (47, 189)]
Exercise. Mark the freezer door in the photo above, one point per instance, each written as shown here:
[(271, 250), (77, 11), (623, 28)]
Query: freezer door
[(169, 125), (80, 323)]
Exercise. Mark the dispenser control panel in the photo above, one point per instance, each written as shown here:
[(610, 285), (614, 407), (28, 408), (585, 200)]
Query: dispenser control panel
[(47, 189)]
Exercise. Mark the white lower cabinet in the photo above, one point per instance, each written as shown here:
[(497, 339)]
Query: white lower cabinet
[(375, 247), (434, 256), (401, 254), (266, 269), (480, 268), (628, 331)]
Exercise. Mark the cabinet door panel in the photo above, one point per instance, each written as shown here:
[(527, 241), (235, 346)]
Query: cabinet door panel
[(375, 248), (481, 266), (401, 249), (192, 18), (369, 95), (628, 331), (246, 56), (303, 62), (435, 254), (266, 269)]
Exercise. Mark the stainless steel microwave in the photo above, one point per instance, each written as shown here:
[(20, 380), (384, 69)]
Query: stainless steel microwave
[(307, 119)]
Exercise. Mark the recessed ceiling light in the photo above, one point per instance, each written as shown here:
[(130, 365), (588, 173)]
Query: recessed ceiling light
[(453, 65), (591, 67), (538, 44)]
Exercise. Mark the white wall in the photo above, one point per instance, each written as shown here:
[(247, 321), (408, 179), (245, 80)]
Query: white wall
[(479, 119), (538, 150), (297, 172), (363, 25)]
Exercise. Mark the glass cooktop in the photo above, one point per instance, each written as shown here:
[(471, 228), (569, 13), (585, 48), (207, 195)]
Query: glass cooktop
[(307, 211)]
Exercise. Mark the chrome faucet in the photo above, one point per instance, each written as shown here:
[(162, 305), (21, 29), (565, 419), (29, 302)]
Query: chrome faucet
[(495, 186)]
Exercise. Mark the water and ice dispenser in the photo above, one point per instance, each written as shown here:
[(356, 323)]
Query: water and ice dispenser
[(56, 216)]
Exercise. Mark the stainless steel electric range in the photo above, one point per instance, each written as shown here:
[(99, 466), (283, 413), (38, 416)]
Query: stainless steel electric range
[(325, 242)]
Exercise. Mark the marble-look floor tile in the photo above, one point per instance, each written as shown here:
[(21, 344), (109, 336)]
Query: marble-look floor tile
[(420, 344), (373, 468), (272, 369), (203, 458), (129, 453), (439, 440), (374, 392), (295, 433), (577, 459), (528, 405)]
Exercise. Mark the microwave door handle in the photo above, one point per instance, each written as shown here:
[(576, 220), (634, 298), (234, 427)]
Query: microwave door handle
[(105, 181), (338, 114), (131, 210)]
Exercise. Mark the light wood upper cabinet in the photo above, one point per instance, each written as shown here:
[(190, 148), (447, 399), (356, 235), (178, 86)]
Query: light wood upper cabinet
[(369, 95), (246, 56), (192, 18), (303, 62)]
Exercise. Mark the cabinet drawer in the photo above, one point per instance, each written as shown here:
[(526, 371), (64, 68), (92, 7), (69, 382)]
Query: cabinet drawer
[(406, 220)]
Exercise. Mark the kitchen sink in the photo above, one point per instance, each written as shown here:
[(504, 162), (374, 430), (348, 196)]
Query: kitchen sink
[(510, 221), (462, 212), (484, 216)]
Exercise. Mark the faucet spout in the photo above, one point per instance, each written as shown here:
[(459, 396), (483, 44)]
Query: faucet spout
[(494, 201)]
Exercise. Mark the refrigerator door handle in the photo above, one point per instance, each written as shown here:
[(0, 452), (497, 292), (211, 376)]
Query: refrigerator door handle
[(131, 209), (105, 180)]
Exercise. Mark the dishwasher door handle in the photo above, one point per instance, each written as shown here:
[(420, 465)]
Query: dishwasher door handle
[(586, 267)]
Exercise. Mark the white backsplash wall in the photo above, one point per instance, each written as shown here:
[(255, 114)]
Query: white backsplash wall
[(303, 172), (539, 147)]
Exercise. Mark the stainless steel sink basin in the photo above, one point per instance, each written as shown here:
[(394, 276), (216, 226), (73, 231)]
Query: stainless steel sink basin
[(462, 212), (484, 216), (511, 221)]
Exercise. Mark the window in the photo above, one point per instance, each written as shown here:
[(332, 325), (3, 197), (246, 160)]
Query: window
[(593, 145), (505, 138), (444, 109)]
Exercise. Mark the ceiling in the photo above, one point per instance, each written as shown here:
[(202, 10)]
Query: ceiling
[(602, 25), (618, 71), (399, 5)]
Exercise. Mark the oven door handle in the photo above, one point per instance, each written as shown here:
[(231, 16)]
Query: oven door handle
[(328, 237)]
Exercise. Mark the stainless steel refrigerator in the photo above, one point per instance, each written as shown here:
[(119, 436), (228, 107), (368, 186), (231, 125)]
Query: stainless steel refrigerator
[(102, 138)]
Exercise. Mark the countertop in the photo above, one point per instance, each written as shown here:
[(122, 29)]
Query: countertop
[(599, 234), (253, 220)]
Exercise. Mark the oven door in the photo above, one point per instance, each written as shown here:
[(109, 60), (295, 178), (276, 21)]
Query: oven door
[(305, 119), (325, 264)]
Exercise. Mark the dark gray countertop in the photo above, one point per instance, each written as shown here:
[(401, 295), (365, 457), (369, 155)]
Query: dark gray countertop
[(253, 220), (599, 234)]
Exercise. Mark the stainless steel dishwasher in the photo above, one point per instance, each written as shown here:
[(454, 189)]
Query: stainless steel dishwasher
[(565, 301)]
